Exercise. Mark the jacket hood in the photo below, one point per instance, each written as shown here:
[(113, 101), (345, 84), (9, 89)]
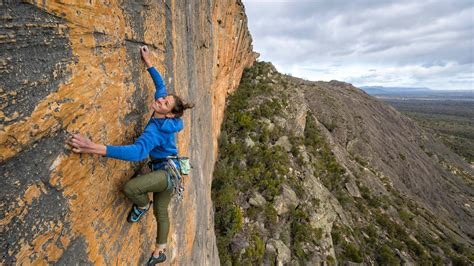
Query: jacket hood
[(169, 125)]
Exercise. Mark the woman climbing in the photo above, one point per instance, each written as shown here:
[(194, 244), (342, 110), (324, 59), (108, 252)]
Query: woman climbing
[(157, 142)]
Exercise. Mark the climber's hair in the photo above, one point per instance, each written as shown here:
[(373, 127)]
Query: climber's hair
[(180, 106)]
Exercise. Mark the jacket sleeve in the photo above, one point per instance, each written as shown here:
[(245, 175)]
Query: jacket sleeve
[(159, 83), (137, 151)]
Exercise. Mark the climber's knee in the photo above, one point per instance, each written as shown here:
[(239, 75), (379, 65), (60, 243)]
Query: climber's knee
[(129, 189)]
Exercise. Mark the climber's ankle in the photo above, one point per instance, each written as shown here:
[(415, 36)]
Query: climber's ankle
[(158, 256), (160, 248)]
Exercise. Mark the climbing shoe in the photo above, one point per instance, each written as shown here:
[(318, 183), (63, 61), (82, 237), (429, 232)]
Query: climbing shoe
[(136, 213), (154, 260)]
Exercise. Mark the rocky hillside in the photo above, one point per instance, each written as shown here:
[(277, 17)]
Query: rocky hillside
[(312, 172), (74, 66)]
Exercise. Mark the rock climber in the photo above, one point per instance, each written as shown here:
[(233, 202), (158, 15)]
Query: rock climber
[(157, 142)]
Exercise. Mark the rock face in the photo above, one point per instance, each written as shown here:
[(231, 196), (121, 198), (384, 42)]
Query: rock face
[(282, 251), (74, 66)]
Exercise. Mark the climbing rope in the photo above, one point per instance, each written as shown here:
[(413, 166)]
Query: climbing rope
[(176, 179)]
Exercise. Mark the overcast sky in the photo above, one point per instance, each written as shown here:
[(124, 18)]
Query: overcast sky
[(368, 42)]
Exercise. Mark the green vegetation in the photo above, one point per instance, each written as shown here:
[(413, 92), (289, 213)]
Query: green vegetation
[(302, 232), (254, 254), (344, 249), (327, 168), (243, 169), (352, 253), (386, 256)]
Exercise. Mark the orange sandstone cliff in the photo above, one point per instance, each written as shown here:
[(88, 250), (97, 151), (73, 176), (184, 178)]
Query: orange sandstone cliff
[(74, 66)]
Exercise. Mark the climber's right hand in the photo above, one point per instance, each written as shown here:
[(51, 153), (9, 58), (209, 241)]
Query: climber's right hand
[(81, 144)]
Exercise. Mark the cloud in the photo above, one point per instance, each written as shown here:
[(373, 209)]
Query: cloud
[(404, 41)]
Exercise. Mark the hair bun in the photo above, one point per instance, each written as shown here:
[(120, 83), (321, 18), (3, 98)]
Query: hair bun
[(188, 105)]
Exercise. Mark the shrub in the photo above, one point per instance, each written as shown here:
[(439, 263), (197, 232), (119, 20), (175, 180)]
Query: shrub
[(331, 260), (316, 202), (352, 253), (362, 207), (343, 198), (406, 217), (414, 247), (460, 248), (459, 261), (244, 123), (271, 215), (389, 226), (268, 108), (254, 253), (331, 173), (223, 245), (386, 256), (371, 230), (298, 187), (336, 235), (302, 232)]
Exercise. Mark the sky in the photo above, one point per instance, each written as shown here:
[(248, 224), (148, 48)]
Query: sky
[(401, 43)]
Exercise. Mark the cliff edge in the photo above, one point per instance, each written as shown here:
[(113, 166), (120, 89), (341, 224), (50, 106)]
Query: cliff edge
[(74, 66)]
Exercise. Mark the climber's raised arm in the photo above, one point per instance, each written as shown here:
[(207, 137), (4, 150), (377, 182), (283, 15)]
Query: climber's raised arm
[(159, 83)]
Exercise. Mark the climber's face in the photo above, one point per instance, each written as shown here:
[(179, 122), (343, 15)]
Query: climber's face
[(164, 105)]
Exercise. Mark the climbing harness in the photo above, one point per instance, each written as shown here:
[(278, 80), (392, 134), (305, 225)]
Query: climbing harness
[(174, 172), (184, 163)]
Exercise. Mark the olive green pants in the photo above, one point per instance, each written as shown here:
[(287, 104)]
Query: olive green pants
[(157, 182)]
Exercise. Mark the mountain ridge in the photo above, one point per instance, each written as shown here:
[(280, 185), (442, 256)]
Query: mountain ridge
[(365, 182), (394, 90), (381, 90)]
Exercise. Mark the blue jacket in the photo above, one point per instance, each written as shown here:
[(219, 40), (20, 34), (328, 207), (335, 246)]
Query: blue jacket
[(157, 140)]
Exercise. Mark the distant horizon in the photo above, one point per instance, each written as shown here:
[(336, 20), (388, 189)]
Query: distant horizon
[(388, 43), (409, 87)]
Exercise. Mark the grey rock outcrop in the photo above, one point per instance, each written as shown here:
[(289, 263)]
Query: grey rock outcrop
[(285, 200), (284, 143), (249, 142), (352, 188), (283, 253), (257, 200)]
